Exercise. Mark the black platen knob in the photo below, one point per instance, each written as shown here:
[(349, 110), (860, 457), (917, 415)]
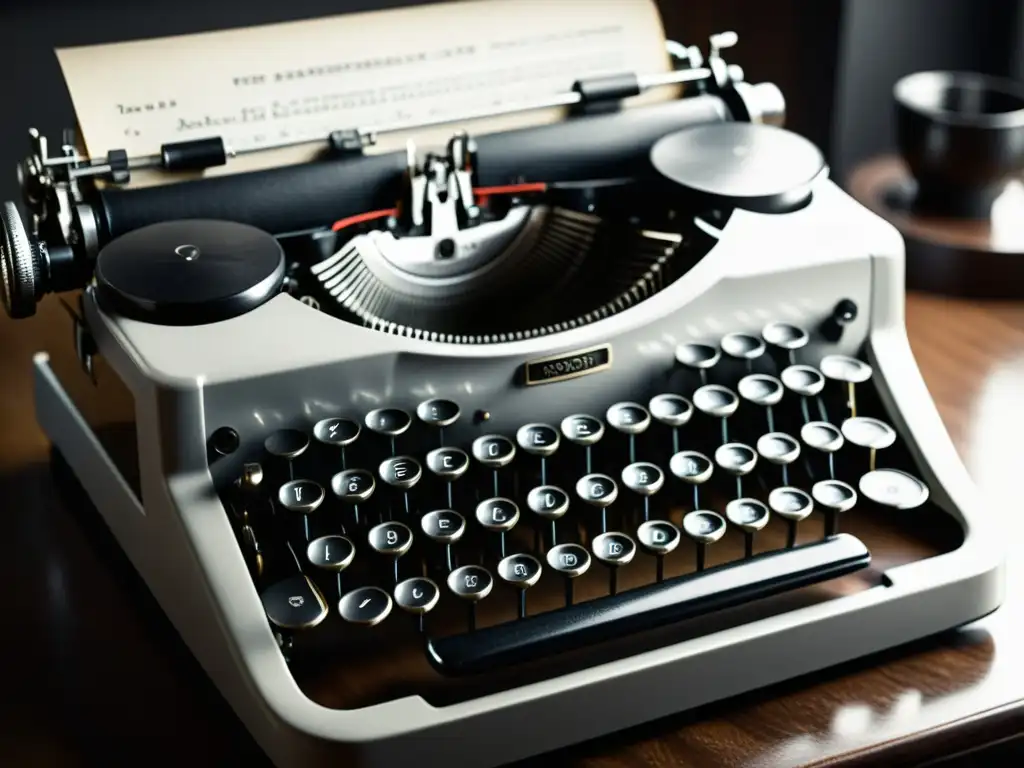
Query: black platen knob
[(844, 313), (20, 265)]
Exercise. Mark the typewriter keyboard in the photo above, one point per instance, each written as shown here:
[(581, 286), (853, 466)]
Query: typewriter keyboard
[(390, 559)]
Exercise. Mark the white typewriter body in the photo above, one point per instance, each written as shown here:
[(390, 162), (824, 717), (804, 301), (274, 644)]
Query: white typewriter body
[(286, 363)]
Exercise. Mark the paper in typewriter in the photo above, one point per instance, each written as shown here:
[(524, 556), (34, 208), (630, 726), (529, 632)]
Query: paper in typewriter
[(261, 87)]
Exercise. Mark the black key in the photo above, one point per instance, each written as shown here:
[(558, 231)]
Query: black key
[(400, 472), (737, 460), (872, 434), (792, 505), (893, 488), (644, 479), (835, 497), (848, 371), (336, 431), (331, 553), (570, 560), (750, 516), (498, 515), (494, 451), (448, 463), (417, 596), (704, 527), (614, 549), (445, 526), (549, 503), (656, 605), (287, 443), (698, 357), (294, 603), (522, 572), (438, 412), (583, 430), (693, 468), (779, 449), (659, 538), (743, 346), (368, 606), (353, 486), (471, 583), (824, 438), (598, 491), (303, 496), (672, 410), (392, 539), (390, 422)]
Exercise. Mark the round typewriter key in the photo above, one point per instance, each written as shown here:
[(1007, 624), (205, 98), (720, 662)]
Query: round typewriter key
[(835, 497), (893, 488), (792, 505), (823, 437), (445, 526), (672, 410), (848, 371), (498, 514), (780, 449), (717, 402), (549, 503), (704, 527), (448, 463), (539, 440), (738, 460), (331, 553), (336, 431), (438, 412), (750, 516), (472, 583), (630, 419), (699, 357), (294, 603), (304, 496), (658, 537), (786, 338), (353, 486), (390, 422), (400, 471), (693, 468), (494, 451), (865, 432), (644, 479), (803, 380), (583, 430), (599, 491), (742, 346), (368, 606), (570, 560), (763, 391), (287, 443), (522, 571), (391, 539), (614, 549), (417, 596)]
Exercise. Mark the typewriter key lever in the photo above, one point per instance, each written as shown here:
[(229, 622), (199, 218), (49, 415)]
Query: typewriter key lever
[(637, 610)]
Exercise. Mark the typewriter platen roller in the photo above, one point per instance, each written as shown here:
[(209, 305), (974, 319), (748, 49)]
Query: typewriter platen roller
[(535, 438)]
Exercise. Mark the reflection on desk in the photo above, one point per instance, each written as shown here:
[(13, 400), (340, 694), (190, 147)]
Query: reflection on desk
[(94, 674)]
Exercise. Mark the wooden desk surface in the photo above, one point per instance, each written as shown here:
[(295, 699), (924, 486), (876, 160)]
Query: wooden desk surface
[(92, 674)]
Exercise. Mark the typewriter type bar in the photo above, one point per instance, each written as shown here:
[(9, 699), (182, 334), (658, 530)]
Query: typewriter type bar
[(657, 605)]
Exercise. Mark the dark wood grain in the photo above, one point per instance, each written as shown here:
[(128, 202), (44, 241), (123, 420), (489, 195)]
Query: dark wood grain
[(92, 674)]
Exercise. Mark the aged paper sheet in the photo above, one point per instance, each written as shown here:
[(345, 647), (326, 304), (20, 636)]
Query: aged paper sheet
[(265, 86)]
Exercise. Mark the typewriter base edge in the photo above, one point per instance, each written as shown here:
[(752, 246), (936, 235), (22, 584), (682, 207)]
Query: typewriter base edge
[(490, 736)]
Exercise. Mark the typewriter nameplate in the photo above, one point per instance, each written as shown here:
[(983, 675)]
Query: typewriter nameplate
[(570, 365)]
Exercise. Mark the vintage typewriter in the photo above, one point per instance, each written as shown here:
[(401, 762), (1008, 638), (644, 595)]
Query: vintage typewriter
[(459, 457)]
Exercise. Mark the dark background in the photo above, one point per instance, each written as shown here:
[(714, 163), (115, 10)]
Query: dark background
[(835, 60)]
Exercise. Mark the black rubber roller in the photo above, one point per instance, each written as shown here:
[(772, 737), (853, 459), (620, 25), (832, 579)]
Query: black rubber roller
[(189, 272), (749, 166)]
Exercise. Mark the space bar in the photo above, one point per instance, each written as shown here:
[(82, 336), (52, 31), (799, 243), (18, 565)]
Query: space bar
[(656, 605)]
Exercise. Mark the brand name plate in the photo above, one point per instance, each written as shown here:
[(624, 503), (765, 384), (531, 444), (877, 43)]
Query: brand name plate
[(568, 366)]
